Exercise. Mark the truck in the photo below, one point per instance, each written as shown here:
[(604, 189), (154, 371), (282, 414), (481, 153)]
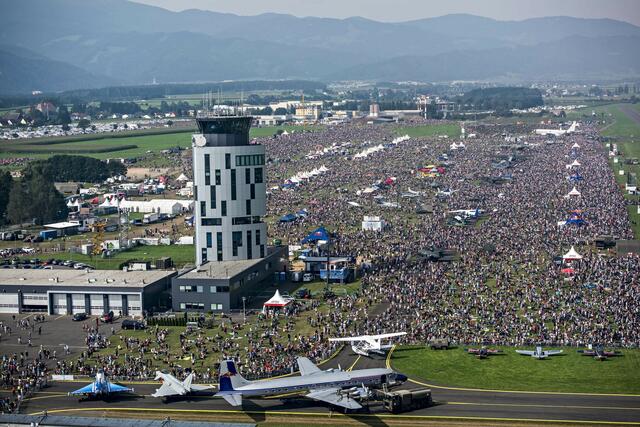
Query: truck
[(439, 344), (150, 218), (406, 400)]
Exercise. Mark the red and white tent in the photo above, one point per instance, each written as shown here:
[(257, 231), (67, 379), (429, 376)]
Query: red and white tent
[(277, 301)]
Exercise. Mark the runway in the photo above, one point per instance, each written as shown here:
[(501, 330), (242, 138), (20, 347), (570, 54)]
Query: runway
[(450, 404)]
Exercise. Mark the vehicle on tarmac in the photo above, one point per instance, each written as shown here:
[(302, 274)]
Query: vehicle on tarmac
[(79, 317), (107, 317), (333, 386)]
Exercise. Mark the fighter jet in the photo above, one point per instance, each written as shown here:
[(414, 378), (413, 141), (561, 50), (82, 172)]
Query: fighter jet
[(101, 387), (557, 132), (483, 352), (599, 353), (410, 194), (171, 386), (445, 193), (333, 386), (468, 213), (539, 353), (364, 345)]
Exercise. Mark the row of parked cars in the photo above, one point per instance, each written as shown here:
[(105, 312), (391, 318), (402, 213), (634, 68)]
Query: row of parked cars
[(36, 263), (109, 318)]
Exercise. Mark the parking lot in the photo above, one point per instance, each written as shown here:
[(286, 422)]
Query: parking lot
[(37, 263), (54, 333)]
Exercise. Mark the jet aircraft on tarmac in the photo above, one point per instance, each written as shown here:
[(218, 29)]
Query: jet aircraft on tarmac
[(101, 387), (171, 386)]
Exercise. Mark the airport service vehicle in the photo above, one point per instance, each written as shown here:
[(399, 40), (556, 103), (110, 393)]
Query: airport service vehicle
[(107, 317), (364, 345), (406, 400), (539, 353), (171, 386), (333, 386), (101, 387)]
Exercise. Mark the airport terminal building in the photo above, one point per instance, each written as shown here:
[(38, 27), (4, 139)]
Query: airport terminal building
[(232, 256), (94, 292)]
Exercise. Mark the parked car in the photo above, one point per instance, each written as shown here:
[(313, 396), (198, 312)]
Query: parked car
[(132, 324), (107, 317), (79, 317), (303, 293)]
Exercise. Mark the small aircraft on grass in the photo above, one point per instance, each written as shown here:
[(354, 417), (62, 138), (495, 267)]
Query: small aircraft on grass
[(599, 353), (364, 345), (483, 352), (171, 386), (539, 353), (101, 387)]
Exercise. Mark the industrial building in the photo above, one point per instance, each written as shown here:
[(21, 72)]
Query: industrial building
[(232, 256), (94, 292)]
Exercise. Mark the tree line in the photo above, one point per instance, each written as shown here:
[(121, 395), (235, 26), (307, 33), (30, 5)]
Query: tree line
[(34, 198), (501, 99)]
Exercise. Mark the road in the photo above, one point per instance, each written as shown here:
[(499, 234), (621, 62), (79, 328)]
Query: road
[(451, 403)]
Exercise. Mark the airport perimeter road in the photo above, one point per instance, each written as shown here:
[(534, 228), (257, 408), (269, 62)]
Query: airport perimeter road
[(451, 403)]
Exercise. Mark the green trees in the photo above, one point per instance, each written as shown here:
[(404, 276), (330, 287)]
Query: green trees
[(5, 188), (83, 124), (34, 198), (63, 168), (502, 99)]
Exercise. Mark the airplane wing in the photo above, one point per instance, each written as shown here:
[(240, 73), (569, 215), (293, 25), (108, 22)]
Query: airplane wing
[(526, 352), (553, 352), (587, 352), (349, 339), (88, 389), (306, 366), (196, 387), (333, 397), (165, 390), (382, 336), (232, 399), (473, 350), (116, 388)]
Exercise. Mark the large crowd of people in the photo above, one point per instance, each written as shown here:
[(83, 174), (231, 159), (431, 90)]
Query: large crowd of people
[(506, 284)]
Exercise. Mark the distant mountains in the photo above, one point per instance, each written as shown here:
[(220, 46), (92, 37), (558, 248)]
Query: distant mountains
[(62, 44)]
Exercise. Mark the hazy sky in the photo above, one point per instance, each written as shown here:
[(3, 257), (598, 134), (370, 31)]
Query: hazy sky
[(402, 10)]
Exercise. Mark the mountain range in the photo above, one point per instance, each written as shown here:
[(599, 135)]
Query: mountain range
[(54, 45)]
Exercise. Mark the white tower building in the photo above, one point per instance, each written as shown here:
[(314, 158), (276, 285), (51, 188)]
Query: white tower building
[(229, 189)]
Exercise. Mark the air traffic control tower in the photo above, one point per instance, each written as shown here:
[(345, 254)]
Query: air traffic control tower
[(234, 265), (229, 190)]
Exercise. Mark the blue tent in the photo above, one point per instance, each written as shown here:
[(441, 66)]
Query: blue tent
[(320, 233), (288, 218)]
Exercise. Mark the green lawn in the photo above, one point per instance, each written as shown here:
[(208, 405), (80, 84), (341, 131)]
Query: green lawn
[(180, 254), (452, 130), (118, 146), (570, 372)]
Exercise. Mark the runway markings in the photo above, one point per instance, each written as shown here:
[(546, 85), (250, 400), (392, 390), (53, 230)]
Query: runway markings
[(483, 390), (51, 396), (533, 405), (354, 364), (60, 317), (334, 415)]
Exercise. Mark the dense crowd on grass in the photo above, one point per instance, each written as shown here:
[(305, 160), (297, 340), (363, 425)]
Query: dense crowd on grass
[(504, 287)]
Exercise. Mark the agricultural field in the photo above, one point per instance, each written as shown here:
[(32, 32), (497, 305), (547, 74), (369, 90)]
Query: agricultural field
[(118, 146), (569, 372), (451, 130)]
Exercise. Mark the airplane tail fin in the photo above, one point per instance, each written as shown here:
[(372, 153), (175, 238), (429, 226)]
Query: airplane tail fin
[(187, 381), (230, 379)]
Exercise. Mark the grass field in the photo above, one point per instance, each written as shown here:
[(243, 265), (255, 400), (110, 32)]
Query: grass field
[(452, 130), (570, 372), (180, 254), (117, 146)]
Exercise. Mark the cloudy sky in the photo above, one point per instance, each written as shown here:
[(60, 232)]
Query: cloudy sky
[(402, 10)]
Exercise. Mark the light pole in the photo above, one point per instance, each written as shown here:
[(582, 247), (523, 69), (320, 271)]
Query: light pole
[(244, 312)]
